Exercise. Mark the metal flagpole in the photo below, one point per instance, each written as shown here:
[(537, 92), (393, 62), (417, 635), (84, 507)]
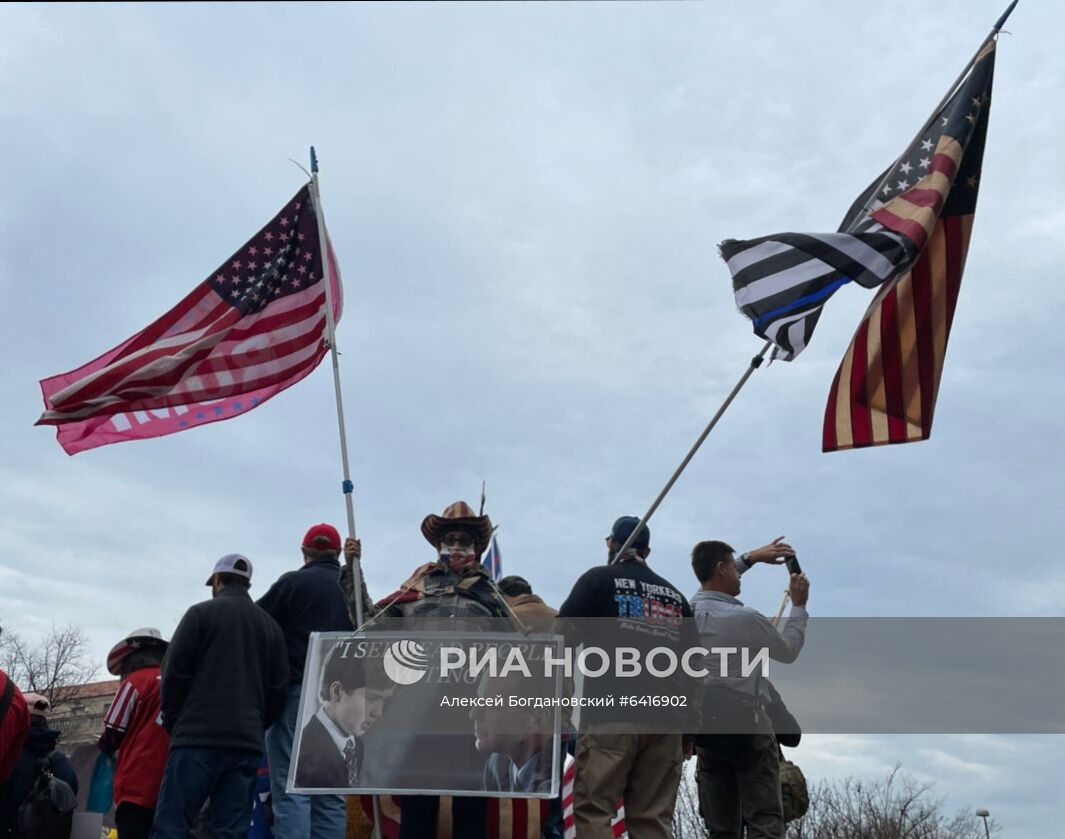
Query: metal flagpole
[(756, 362), (327, 276)]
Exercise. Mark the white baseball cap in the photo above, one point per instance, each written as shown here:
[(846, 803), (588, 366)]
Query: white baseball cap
[(232, 564)]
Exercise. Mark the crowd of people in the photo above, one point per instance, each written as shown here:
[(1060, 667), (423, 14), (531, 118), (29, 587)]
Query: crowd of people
[(194, 715)]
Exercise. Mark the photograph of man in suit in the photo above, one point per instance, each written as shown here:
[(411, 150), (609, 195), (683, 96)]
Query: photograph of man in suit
[(519, 741), (331, 749)]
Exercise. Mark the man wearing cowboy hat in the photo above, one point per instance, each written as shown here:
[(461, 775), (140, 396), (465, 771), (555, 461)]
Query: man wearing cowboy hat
[(456, 585), (132, 728)]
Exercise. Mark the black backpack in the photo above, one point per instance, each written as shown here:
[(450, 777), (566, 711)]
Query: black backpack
[(48, 811)]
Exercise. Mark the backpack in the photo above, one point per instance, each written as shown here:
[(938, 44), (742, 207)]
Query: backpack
[(793, 793), (48, 811)]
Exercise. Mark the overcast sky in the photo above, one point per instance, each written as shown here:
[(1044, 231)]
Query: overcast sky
[(526, 201)]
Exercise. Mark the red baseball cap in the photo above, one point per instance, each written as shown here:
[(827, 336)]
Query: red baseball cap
[(322, 536)]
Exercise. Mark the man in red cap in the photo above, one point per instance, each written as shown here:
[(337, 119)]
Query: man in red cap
[(304, 601)]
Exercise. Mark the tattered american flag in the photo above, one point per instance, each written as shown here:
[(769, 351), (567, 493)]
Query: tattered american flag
[(886, 387), (508, 818), (254, 327), (908, 233)]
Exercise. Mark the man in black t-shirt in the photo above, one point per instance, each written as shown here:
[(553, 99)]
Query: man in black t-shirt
[(617, 756)]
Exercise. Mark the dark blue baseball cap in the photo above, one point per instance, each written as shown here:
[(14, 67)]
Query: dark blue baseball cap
[(623, 528)]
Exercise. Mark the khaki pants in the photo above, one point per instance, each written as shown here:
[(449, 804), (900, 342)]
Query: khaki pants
[(614, 764), (739, 783)]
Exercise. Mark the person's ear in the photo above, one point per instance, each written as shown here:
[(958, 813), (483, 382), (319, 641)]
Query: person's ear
[(335, 690)]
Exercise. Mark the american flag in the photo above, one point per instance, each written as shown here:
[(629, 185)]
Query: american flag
[(254, 327), (782, 281), (493, 560), (617, 824), (508, 818), (886, 387)]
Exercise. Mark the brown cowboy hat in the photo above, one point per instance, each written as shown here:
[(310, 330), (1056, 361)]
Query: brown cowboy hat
[(460, 516)]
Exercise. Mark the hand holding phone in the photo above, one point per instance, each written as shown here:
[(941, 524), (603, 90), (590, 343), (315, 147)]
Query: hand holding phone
[(793, 565)]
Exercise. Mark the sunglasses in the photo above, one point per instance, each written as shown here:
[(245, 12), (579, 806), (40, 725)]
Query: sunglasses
[(462, 540)]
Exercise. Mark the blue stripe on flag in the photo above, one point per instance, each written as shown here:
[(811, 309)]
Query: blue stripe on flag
[(803, 301)]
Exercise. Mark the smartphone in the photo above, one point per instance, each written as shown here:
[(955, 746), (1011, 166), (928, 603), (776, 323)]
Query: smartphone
[(793, 565)]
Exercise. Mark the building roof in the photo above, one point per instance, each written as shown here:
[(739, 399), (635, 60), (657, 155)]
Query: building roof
[(92, 690)]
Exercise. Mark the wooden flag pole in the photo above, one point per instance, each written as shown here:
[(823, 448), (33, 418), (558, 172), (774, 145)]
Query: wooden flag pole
[(756, 362), (327, 276)]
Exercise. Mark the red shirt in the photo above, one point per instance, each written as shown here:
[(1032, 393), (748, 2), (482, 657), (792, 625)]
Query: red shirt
[(134, 717)]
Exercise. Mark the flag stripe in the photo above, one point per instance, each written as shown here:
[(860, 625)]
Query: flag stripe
[(891, 364), (874, 375), (861, 430), (792, 259), (833, 282), (227, 353), (170, 359), (179, 348), (194, 357), (907, 227), (894, 379), (746, 256), (922, 300), (200, 389), (910, 380), (805, 272), (828, 428)]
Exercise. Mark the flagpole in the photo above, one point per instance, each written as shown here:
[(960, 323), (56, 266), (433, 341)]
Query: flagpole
[(756, 362), (327, 276)]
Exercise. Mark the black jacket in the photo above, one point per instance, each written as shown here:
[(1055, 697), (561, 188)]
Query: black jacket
[(304, 601), (39, 742), (225, 674), (320, 763)]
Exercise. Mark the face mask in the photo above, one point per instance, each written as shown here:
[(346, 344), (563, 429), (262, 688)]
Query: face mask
[(458, 558)]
